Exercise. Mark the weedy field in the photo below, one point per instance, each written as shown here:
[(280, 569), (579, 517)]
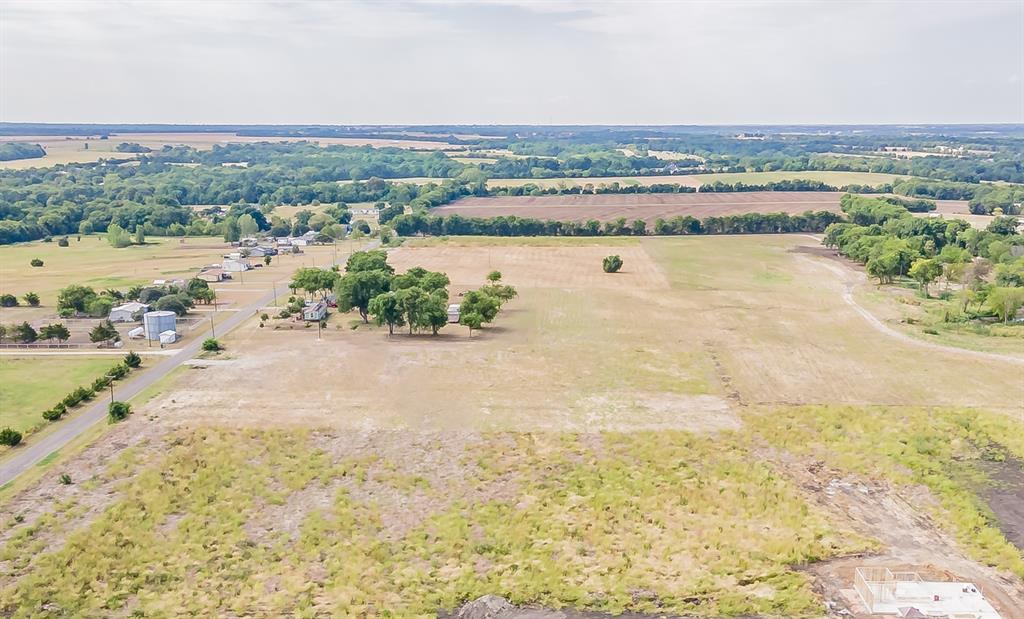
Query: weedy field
[(712, 431)]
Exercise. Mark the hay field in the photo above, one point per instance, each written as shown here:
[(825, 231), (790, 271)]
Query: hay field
[(607, 207), (837, 179), (676, 438)]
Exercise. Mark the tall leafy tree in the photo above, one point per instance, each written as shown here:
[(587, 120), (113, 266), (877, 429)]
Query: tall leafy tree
[(355, 290), (386, 310)]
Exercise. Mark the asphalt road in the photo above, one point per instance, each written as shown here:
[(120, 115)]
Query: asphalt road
[(26, 456)]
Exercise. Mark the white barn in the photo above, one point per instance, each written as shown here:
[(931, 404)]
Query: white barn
[(125, 312)]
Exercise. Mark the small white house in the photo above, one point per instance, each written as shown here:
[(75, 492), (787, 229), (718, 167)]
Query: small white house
[(168, 337), (453, 312), (231, 265), (315, 312), (127, 311)]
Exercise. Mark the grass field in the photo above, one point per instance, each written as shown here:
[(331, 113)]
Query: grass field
[(696, 434), (30, 385), (837, 179)]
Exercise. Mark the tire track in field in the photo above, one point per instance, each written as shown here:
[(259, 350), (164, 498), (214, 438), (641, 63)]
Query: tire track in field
[(849, 284)]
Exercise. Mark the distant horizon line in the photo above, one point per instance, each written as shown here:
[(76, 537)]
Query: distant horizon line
[(557, 125)]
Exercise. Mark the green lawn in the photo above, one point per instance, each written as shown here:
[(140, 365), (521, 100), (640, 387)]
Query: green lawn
[(31, 384)]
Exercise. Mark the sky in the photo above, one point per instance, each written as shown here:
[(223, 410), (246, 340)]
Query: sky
[(512, 62)]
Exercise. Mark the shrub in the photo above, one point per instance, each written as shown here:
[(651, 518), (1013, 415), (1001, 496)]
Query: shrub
[(64, 479), (32, 299), (10, 437), (212, 345), (132, 360), (8, 300), (264, 317), (118, 411), (36, 262), (118, 371), (612, 264), (100, 383), (63, 242), (53, 414)]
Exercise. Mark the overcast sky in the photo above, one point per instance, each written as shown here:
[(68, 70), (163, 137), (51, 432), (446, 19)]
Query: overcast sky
[(512, 62)]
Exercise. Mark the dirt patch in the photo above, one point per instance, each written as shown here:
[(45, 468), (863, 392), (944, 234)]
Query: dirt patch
[(649, 206)]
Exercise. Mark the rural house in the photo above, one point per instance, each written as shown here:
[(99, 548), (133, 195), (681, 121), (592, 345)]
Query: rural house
[(315, 312), (127, 312), (235, 265)]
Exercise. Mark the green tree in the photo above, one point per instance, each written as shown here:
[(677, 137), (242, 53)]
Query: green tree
[(413, 303), (75, 297), (386, 309), (32, 299), (140, 235), (99, 307), (103, 332), (612, 264), (178, 303), (494, 277), (35, 262), (56, 331), (8, 300), (925, 271), (25, 334), (118, 411), (212, 345), (247, 226), (10, 437), (86, 227), (232, 233), (266, 260), (117, 236), (501, 292), (884, 266), (314, 280), (434, 314), (477, 308), (1005, 302), (356, 289), (370, 260), (132, 360)]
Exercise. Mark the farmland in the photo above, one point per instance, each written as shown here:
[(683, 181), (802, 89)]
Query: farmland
[(648, 207), (748, 389)]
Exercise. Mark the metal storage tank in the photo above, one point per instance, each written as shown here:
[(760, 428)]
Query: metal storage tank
[(156, 323)]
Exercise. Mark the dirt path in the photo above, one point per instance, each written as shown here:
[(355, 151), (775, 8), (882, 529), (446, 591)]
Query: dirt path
[(851, 279)]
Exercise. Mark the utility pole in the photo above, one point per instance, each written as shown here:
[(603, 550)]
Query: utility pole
[(213, 329), (111, 389)]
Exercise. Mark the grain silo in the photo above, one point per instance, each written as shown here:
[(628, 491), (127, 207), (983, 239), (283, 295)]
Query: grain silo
[(156, 323)]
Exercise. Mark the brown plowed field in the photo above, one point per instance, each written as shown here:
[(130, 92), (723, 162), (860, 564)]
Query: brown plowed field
[(607, 207)]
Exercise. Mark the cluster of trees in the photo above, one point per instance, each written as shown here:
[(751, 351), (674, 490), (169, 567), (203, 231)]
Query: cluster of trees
[(132, 147), (588, 163), (10, 151), (9, 300), (417, 299), (78, 300), (891, 244), (749, 223)]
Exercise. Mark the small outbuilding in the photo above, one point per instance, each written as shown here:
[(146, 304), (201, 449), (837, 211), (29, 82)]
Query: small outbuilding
[(168, 337), (315, 312), (232, 265), (127, 312), (454, 312), (211, 275)]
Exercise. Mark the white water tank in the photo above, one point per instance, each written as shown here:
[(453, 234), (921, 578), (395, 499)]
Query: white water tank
[(156, 323)]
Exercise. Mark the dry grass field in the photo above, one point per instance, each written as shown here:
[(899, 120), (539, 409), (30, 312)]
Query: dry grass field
[(713, 431), (646, 206), (837, 179)]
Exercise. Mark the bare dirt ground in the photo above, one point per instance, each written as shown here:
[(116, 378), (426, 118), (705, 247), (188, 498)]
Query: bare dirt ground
[(607, 207)]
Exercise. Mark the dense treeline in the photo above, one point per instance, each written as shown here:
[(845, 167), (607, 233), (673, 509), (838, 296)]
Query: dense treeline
[(892, 243), (750, 223), (10, 151), (983, 199)]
